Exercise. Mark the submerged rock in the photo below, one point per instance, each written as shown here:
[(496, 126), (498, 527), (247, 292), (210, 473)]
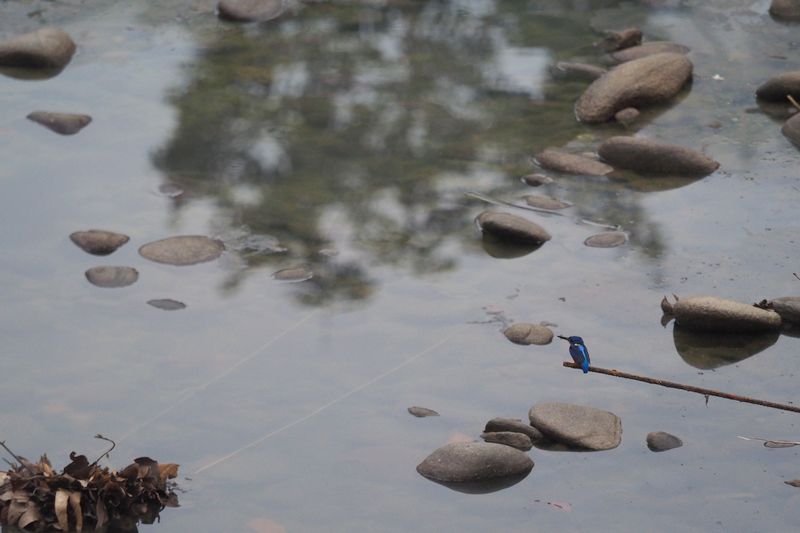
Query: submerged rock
[(619, 40), (659, 441), (511, 424), (422, 412), (647, 155), (112, 276), (777, 88), (183, 250), (97, 241), (475, 462), (45, 48), (250, 10), (578, 71), (577, 426), (509, 438), (505, 226), (293, 274), (708, 313), (649, 49), (568, 163), (708, 350), (650, 80), (525, 334), (606, 239), (791, 129), (167, 304), (63, 123), (545, 202), (536, 180), (785, 9)]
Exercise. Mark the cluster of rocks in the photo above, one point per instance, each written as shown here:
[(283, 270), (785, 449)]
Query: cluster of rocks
[(500, 461)]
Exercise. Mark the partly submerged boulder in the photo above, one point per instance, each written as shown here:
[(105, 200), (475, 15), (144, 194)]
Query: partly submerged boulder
[(649, 156), (44, 48), (577, 426), (709, 313)]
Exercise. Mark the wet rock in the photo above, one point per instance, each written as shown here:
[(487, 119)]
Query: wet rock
[(508, 227), (112, 276), (167, 304), (785, 9), (791, 130), (627, 116), (659, 441), (250, 10), (649, 156), (183, 250), (793, 483), (571, 163), (536, 180), (709, 350), (475, 462), (422, 412), (511, 424), (170, 190), (619, 40), (545, 202), (606, 239), (525, 334), (650, 80), (97, 241), (509, 438), (777, 88), (44, 48), (708, 313), (787, 307), (649, 49), (578, 71), (577, 426), (63, 123), (293, 274)]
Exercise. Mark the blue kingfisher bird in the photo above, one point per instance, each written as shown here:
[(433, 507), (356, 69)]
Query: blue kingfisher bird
[(578, 351)]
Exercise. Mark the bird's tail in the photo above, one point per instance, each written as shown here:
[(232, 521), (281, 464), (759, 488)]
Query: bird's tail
[(585, 366)]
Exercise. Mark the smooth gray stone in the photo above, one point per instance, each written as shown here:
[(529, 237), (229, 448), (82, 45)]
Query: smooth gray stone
[(511, 424), (465, 462), (627, 116), (777, 88), (167, 304), (519, 441), (649, 156), (606, 239), (61, 123), (577, 426), (97, 241), (708, 313), (293, 274), (513, 228), (111, 277), (183, 250), (524, 333), (546, 202), (659, 441), (422, 412)]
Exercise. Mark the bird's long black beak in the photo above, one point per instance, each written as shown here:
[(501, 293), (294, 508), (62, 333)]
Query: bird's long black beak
[(563, 337)]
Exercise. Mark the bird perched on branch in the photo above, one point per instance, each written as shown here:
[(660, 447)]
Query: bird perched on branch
[(578, 351)]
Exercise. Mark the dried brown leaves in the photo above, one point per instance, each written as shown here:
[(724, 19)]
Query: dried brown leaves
[(36, 498)]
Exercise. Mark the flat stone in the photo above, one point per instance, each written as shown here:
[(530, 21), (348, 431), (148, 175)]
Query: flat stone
[(785, 9), (44, 48), (250, 10), (112, 276), (619, 40), (545, 202), (464, 462), (511, 424), (522, 333), (513, 228), (577, 426), (708, 313), (649, 49), (62, 123), (422, 412), (293, 274), (606, 239), (580, 165), (650, 80), (578, 71), (536, 180), (777, 88), (509, 438), (97, 241), (647, 155), (183, 250), (660, 441), (167, 304)]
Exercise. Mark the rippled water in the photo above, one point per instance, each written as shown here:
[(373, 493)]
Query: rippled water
[(340, 140)]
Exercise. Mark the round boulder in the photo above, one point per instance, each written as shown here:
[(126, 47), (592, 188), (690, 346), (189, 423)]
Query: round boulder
[(525, 334), (97, 241), (183, 250), (650, 80), (474, 463), (708, 313), (577, 426), (647, 155), (44, 48), (513, 228)]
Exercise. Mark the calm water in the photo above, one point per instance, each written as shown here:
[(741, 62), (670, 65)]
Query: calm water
[(358, 127)]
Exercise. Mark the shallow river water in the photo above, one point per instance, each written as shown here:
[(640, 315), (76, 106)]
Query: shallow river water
[(359, 127)]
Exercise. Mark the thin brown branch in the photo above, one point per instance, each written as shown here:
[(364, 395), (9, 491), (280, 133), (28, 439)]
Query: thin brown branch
[(793, 101), (690, 388), (15, 456), (108, 451)]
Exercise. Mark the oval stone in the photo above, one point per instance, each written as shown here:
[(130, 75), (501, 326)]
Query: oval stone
[(525, 334), (778, 87), (649, 49), (110, 277), (505, 226), (650, 80), (250, 10), (545, 202), (293, 274), (785, 9), (647, 155), (579, 165), (606, 239), (577, 426), (708, 313), (97, 241), (578, 71), (509, 438), (183, 250), (167, 304), (536, 180), (422, 412), (44, 48), (464, 462), (516, 426), (62, 123), (660, 441), (627, 116)]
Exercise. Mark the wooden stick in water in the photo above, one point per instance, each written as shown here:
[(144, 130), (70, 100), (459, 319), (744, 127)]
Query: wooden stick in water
[(690, 388)]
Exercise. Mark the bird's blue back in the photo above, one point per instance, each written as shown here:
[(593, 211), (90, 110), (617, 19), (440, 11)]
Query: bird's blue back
[(579, 353)]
